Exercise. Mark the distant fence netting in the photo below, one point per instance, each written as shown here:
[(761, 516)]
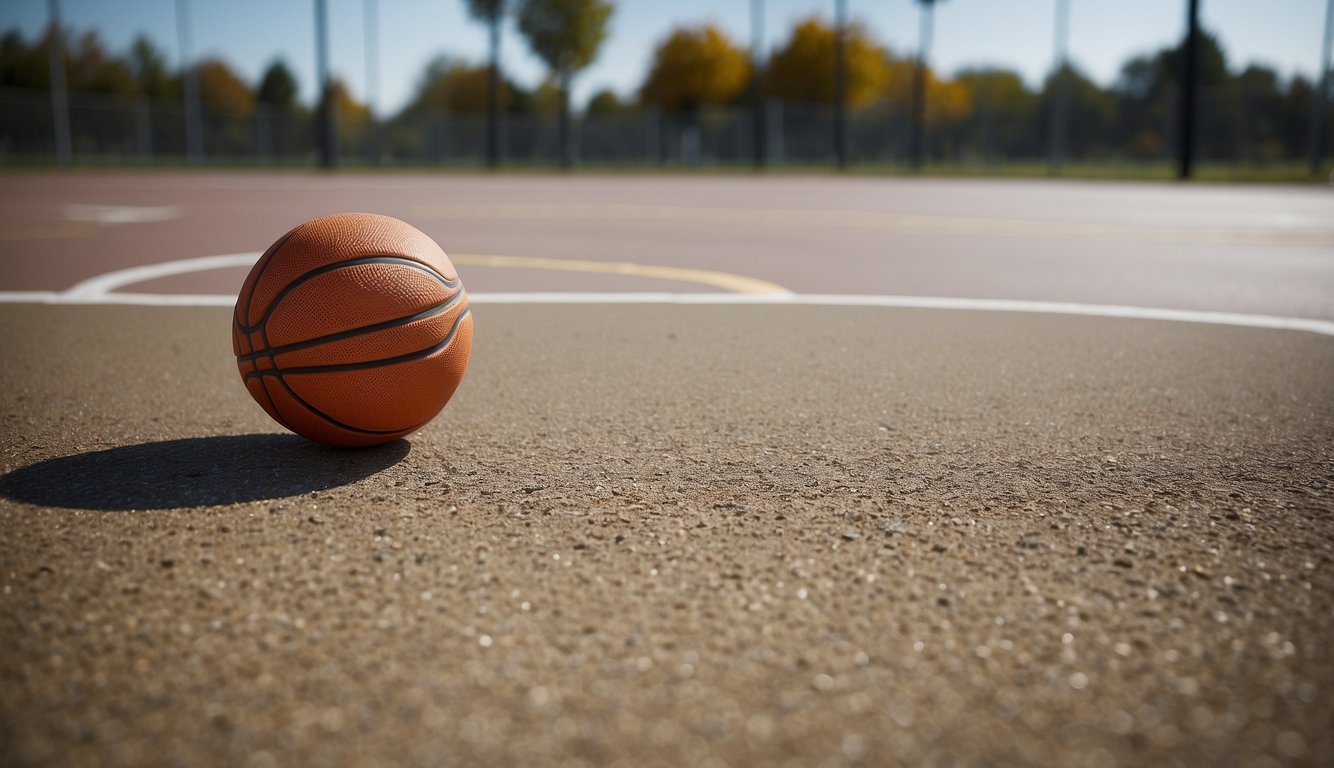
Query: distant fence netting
[(118, 130)]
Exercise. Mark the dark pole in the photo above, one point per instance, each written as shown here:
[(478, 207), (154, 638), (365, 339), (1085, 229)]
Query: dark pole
[(493, 97), (563, 126), (194, 133), (324, 128), (373, 75), (1060, 85), (1189, 76), (840, 83), (59, 90), (758, 65), (917, 145), (1320, 104)]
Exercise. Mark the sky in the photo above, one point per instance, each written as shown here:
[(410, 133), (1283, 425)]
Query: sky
[(1018, 34)]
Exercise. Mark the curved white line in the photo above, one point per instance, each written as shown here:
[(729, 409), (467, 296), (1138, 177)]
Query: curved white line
[(1323, 327), (100, 286)]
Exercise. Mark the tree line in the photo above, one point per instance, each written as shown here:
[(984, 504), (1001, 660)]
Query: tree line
[(1249, 114)]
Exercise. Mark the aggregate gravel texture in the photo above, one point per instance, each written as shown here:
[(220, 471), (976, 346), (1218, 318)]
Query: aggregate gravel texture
[(657, 535)]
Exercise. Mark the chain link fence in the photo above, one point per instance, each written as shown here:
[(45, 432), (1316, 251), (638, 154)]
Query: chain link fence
[(108, 130)]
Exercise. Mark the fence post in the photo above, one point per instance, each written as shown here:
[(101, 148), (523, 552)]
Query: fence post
[(263, 132), (775, 131), (144, 123), (652, 129)]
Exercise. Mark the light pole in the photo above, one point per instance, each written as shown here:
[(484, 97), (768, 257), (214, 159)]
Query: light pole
[(194, 139), (917, 146), (1320, 104), (840, 83), (372, 53), (758, 67), (325, 126), (59, 89), (1189, 77), (1060, 84)]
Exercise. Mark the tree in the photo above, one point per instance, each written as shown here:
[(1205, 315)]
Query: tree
[(803, 69), (491, 12), (1003, 111), (149, 66), (918, 148), (1090, 114), (353, 117), (566, 35), (695, 66), (606, 102), (222, 90), (453, 86), (1148, 91), (278, 88)]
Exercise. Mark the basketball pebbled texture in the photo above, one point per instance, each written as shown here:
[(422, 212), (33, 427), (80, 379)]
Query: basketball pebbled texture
[(352, 330)]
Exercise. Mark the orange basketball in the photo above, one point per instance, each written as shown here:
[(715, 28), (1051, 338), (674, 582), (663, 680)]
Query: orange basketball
[(352, 330)]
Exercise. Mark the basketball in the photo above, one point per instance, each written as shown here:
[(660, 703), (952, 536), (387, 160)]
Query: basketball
[(352, 330)]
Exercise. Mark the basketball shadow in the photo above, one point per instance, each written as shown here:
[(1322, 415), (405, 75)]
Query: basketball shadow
[(195, 472)]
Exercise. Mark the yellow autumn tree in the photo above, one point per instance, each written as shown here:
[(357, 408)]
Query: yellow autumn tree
[(946, 100), (803, 69), (222, 91), (354, 117), (695, 66), (454, 86)]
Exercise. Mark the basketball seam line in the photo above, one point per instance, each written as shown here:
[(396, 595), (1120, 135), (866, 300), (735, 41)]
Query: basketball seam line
[(340, 367), (267, 258), (327, 268), (429, 312), (340, 425)]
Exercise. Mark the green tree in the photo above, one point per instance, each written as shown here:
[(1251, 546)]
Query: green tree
[(1002, 114), (491, 12), (566, 35), (803, 69), (278, 88), (695, 66), (23, 65), (149, 67), (91, 67), (1091, 113), (1148, 92), (606, 102)]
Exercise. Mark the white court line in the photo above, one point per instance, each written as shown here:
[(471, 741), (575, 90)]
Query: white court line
[(103, 290), (1322, 327), (102, 285)]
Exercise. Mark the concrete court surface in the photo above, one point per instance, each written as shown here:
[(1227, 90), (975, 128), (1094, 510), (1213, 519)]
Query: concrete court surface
[(679, 535)]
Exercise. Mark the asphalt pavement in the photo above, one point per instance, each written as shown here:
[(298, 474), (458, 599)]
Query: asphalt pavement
[(677, 535)]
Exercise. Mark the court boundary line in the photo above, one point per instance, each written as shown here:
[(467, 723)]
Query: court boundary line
[(1273, 322)]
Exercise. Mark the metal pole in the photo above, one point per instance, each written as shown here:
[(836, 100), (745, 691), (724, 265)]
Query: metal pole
[(918, 135), (324, 113), (194, 145), (493, 98), (59, 90), (1320, 104), (759, 114), (1189, 76), (1060, 84), (372, 54), (840, 83)]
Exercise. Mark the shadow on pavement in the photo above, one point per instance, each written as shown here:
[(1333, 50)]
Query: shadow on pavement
[(195, 472)]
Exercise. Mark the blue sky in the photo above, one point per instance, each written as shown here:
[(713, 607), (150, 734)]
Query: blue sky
[(1285, 34)]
